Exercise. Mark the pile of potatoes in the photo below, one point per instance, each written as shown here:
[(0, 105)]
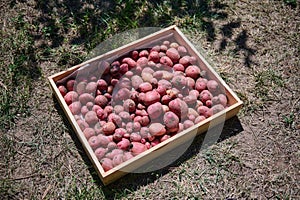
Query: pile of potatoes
[(140, 100)]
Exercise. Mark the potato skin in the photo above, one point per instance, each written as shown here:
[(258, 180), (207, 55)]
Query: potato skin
[(106, 164), (137, 148), (173, 54), (192, 71), (155, 110), (75, 108), (157, 129), (91, 117), (71, 97), (171, 120), (151, 97)]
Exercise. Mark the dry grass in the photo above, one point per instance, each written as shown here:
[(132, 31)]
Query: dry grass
[(254, 46)]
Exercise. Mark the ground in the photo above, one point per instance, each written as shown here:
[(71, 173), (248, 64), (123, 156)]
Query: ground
[(253, 45)]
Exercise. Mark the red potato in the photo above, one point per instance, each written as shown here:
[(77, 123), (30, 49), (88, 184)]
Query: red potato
[(167, 75), (217, 108), (137, 148), (155, 142), (148, 145), (164, 84), (129, 127), (179, 81), (145, 87), (113, 117), (194, 93), (188, 124), (134, 95), (144, 53), (98, 129), (91, 87), (220, 99), (108, 128), (163, 48), (131, 63), (190, 83), (182, 50), (141, 112), (101, 101), (129, 105), (193, 112), (205, 95), (158, 75), (88, 133), (201, 84), (86, 97), (209, 103), (144, 132), (108, 109), (192, 71), (77, 117), (91, 118), (119, 133), (165, 60), (174, 45), (101, 114), (110, 89), (125, 116), (84, 110), (191, 117), (161, 90), (95, 108), (154, 56), (205, 111), (121, 94), (136, 126), (142, 62), (173, 54), (70, 85), (82, 124), (114, 152), (123, 144), (155, 48), (114, 81), (157, 129), (178, 67), (181, 127), (125, 82), (171, 120), (118, 159), (106, 164), (164, 138), (90, 105), (155, 110), (212, 86), (165, 108), (190, 100), (75, 107), (104, 140), (128, 74), (136, 81), (94, 142), (179, 107), (102, 85), (80, 88), (193, 60), (199, 119), (63, 90), (135, 137), (185, 61), (118, 109), (134, 55), (127, 156), (124, 68), (100, 152), (147, 77), (166, 99), (151, 97), (166, 42), (70, 97)]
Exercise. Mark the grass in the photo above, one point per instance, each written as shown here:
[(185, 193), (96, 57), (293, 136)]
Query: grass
[(259, 155)]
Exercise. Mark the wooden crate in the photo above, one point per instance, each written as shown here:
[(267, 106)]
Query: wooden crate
[(129, 166)]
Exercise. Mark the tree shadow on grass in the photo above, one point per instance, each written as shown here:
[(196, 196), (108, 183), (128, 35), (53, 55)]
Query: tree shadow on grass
[(133, 181)]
